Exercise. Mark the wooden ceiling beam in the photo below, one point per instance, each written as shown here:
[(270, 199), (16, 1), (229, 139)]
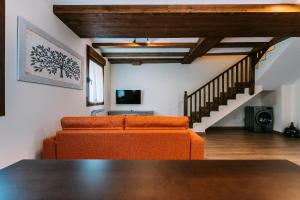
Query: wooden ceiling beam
[(178, 45), (165, 54), (276, 40), (145, 45), (165, 21), (137, 61), (202, 47), (165, 9), (272, 42), (227, 54)]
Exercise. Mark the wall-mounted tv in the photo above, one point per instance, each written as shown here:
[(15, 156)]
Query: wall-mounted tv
[(128, 96)]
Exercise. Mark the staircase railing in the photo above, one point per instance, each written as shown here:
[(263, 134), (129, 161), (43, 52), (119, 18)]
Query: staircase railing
[(217, 91)]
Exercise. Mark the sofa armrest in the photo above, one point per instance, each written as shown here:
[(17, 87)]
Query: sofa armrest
[(49, 148), (197, 146)]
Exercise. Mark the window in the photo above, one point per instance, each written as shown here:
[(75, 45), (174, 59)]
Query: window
[(2, 57), (95, 78)]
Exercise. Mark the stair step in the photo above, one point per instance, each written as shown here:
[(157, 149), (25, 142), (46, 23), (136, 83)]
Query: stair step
[(231, 92), (242, 85), (220, 101), (224, 96), (214, 106), (205, 113)]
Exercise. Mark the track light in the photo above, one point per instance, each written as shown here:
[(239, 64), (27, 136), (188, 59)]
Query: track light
[(141, 41)]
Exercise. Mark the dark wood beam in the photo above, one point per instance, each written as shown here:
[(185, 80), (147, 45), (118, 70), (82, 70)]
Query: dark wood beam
[(276, 40), (94, 55), (165, 54), (162, 9), (240, 44), (165, 21), (227, 54), (146, 45), (202, 47), (272, 42), (138, 61), (156, 54)]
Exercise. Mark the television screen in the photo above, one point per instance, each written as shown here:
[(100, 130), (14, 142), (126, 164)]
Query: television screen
[(128, 96)]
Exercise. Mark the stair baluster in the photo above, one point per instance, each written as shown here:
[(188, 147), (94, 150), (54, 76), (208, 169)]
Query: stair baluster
[(200, 106)]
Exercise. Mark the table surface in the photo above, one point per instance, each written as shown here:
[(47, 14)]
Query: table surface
[(151, 180)]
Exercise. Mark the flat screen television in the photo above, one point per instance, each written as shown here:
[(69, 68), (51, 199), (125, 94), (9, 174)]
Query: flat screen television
[(128, 96)]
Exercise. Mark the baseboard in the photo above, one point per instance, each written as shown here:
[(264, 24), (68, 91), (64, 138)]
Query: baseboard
[(225, 128)]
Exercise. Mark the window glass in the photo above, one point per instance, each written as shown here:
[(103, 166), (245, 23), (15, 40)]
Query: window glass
[(95, 83)]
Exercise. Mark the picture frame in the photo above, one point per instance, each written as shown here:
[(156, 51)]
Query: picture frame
[(43, 59), (2, 57)]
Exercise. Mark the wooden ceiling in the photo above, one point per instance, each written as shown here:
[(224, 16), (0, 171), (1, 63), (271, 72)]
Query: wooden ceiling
[(209, 23), (202, 47)]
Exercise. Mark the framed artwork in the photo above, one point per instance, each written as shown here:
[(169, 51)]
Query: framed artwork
[(2, 57), (44, 60)]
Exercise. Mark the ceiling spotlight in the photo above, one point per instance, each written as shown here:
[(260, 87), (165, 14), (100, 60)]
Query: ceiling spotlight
[(141, 41)]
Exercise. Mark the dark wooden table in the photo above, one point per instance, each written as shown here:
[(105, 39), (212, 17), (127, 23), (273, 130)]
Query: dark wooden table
[(151, 180)]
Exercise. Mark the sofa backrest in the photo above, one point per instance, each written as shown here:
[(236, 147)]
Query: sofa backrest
[(122, 122), (155, 122), (99, 122)]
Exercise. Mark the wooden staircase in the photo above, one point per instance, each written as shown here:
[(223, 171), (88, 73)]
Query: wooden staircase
[(222, 88)]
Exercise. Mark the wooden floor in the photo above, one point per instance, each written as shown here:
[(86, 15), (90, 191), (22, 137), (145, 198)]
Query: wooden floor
[(244, 145)]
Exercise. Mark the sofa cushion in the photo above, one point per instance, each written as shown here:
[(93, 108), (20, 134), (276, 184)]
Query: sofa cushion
[(158, 144), (92, 144), (155, 122), (99, 122)]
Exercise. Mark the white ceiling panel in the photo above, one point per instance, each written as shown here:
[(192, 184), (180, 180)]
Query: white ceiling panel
[(227, 50), (148, 57), (153, 40), (247, 39), (142, 50)]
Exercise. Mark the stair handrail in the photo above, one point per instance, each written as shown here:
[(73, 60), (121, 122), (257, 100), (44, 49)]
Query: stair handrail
[(240, 61), (245, 65), (218, 76)]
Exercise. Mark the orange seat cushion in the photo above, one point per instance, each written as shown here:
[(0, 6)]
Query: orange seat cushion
[(155, 122), (158, 145), (99, 122), (91, 144)]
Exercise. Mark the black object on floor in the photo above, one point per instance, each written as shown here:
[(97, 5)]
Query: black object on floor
[(259, 118), (291, 131)]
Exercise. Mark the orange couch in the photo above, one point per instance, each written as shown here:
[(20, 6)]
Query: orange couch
[(124, 138)]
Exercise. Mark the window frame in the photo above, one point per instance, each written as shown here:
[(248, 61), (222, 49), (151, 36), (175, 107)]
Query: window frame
[(2, 57), (94, 56)]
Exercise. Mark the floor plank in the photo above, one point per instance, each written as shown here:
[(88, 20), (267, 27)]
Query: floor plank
[(245, 145)]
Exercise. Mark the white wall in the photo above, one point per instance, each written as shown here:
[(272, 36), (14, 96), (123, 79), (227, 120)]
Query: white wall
[(33, 110), (163, 85), (296, 103)]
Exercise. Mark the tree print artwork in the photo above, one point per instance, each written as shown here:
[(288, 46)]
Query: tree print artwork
[(53, 62)]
